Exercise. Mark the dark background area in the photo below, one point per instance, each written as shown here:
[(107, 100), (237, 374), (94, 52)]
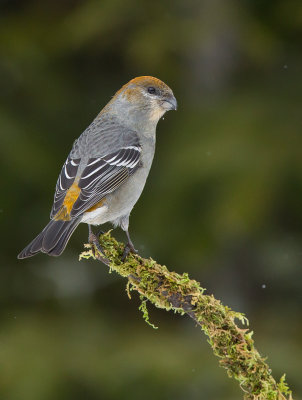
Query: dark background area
[(222, 202)]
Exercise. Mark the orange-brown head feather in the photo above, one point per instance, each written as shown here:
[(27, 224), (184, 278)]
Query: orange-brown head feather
[(146, 95)]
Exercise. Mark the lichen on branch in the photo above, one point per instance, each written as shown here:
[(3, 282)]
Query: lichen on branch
[(171, 291)]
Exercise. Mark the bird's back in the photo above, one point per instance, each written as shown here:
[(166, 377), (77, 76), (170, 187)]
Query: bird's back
[(105, 135)]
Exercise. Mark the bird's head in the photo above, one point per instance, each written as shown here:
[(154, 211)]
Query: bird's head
[(146, 97)]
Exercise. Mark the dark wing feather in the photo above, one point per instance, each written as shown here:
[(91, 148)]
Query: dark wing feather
[(104, 175), (65, 180)]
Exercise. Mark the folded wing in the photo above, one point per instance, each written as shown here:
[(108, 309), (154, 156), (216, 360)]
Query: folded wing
[(102, 175)]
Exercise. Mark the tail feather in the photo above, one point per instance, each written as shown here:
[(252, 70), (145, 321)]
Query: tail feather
[(52, 240)]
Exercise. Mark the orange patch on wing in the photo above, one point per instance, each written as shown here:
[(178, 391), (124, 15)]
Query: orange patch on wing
[(96, 206), (69, 200)]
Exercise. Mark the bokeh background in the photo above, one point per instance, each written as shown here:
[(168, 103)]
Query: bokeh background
[(223, 200)]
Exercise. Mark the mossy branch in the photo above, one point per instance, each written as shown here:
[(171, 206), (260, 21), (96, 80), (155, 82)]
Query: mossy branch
[(168, 290)]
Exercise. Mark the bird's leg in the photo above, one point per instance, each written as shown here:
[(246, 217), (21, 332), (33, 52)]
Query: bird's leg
[(129, 248), (95, 244)]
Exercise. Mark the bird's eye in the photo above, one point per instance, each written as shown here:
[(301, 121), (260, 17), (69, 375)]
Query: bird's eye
[(151, 90)]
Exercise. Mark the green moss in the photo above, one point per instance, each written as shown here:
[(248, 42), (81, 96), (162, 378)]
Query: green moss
[(232, 344), (144, 310)]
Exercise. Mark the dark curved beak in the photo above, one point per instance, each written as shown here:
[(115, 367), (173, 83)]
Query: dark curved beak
[(170, 103)]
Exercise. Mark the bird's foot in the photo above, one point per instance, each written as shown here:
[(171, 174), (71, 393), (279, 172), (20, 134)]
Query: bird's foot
[(129, 248), (99, 233), (97, 249)]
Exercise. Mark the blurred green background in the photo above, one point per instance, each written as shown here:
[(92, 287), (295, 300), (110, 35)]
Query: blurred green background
[(223, 200)]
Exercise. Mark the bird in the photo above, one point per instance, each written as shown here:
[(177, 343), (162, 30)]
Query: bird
[(107, 167)]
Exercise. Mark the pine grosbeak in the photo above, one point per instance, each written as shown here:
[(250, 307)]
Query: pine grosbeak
[(106, 170)]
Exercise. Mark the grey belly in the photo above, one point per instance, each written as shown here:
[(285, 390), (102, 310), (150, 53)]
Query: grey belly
[(121, 202)]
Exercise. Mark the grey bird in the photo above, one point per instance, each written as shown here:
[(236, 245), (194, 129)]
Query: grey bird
[(106, 170)]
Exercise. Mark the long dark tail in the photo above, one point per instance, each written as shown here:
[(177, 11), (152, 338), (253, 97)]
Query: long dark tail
[(52, 240)]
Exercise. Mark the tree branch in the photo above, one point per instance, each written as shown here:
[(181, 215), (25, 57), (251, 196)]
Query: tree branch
[(171, 291)]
